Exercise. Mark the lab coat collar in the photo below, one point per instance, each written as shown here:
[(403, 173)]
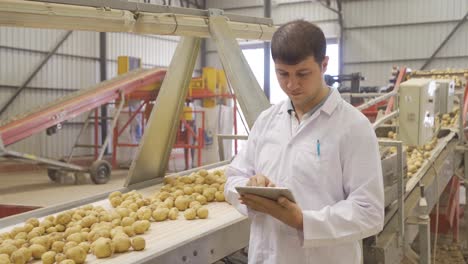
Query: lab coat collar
[(332, 102), (334, 98)]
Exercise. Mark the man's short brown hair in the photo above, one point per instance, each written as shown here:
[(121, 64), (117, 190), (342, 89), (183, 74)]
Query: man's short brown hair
[(294, 41)]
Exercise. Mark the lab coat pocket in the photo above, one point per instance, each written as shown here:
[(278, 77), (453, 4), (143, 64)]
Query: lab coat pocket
[(309, 165)]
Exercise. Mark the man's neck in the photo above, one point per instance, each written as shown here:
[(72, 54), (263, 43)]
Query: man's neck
[(309, 105)]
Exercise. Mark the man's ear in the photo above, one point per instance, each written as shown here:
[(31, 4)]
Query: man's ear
[(325, 64)]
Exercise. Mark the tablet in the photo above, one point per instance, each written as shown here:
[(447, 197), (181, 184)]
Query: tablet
[(272, 193)]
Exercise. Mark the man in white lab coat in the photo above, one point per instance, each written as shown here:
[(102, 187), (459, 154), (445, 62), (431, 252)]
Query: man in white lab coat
[(322, 149)]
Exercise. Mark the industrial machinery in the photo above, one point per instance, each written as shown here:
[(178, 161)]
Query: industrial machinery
[(228, 231), (445, 95), (417, 111), (55, 113)]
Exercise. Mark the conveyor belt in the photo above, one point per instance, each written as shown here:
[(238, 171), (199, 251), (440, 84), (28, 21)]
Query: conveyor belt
[(224, 232), (36, 120)]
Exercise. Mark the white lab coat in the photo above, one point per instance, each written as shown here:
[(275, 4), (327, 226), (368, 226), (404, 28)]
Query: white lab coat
[(339, 191)]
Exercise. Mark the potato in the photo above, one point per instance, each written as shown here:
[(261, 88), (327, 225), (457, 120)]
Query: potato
[(17, 257), (48, 257), (60, 228), (209, 194), (96, 234), (67, 261), (57, 246), (195, 205), (121, 243), (144, 213), (138, 243), (37, 250), (72, 230), (115, 201), (27, 227), (16, 230), (69, 245), (201, 199), (160, 214), (140, 202), (125, 203), (76, 254), (188, 190), (202, 212), (33, 221), (199, 180), (178, 193), (173, 213), (198, 189), (219, 196), (418, 164), (116, 230), (75, 237), (141, 226), (133, 207), (115, 194), (51, 230), (39, 229), (4, 259), (116, 222), (85, 246), (169, 202), (190, 214), (181, 203), (26, 252), (129, 231), (102, 248), (21, 235), (59, 257), (89, 221), (163, 195), (18, 242), (203, 172), (62, 219), (5, 235), (123, 212), (42, 240), (127, 221)]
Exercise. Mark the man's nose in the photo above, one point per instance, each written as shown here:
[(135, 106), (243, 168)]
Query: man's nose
[(292, 83)]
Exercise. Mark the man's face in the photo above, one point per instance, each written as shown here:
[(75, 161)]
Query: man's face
[(302, 82)]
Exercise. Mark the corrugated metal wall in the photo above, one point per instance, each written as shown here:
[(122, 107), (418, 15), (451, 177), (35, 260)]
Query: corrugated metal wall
[(75, 66), (378, 33), (282, 11)]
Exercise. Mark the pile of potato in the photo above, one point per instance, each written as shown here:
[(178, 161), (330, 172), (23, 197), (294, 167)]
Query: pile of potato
[(188, 194), (70, 236), (450, 120), (415, 156)]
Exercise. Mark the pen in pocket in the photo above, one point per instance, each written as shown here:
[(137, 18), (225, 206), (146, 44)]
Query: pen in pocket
[(318, 147)]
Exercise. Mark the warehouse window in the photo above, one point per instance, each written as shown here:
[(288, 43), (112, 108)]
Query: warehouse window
[(253, 52)]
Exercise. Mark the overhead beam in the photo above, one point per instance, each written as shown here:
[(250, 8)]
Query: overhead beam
[(250, 96), (159, 137), (122, 16), (136, 7)]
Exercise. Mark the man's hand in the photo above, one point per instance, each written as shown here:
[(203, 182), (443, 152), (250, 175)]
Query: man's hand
[(283, 209), (260, 181)]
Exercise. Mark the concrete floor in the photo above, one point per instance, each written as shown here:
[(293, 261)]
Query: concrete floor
[(35, 189)]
